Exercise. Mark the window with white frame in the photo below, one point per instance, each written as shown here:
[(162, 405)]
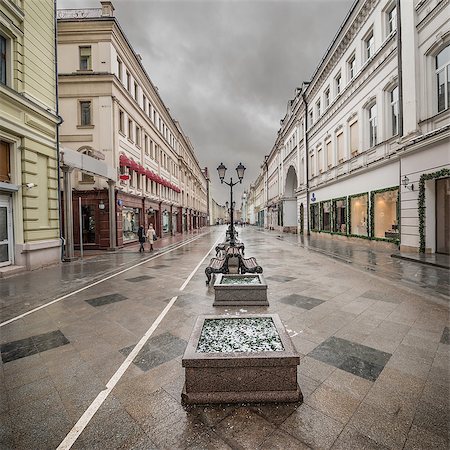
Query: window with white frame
[(146, 144), (338, 83), (138, 136), (393, 109), (329, 149), (85, 113), (369, 46), (318, 111), (372, 116), (340, 146), (119, 69), (121, 121), (443, 78), (320, 159), (135, 91), (128, 81), (326, 97), (351, 67), (130, 129), (311, 165), (144, 103), (3, 60), (391, 18), (85, 58), (354, 138)]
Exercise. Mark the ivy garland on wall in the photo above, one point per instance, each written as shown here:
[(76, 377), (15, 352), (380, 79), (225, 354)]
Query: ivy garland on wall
[(421, 203), (372, 213)]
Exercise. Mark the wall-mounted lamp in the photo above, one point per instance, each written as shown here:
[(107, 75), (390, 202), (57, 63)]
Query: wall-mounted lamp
[(29, 185), (101, 205), (405, 182)]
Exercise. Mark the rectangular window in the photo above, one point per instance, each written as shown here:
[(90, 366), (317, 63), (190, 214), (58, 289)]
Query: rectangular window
[(315, 217), (121, 121), (326, 98), (311, 165), (393, 97), (392, 20), (385, 215), (3, 65), (329, 154), (135, 91), (144, 103), (146, 144), (340, 146), (351, 67), (338, 83), (85, 110), (443, 78), (373, 125), (119, 69), (354, 138), (130, 129), (138, 136), (318, 111), (5, 164), (358, 215), (369, 45), (128, 81), (326, 215), (320, 159), (85, 58), (340, 216), (311, 118)]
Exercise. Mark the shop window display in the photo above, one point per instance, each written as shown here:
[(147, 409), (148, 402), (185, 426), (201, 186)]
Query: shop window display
[(165, 225), (340, 216), (385, 215), (326, 216), (131, 222), (358, 215), (314, 217)]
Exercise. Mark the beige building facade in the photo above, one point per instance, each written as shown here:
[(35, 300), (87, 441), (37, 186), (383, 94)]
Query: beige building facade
[(113, 112), (29, 205)]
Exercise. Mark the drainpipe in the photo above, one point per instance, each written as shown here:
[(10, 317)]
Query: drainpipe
[(305, 139), (60, 121), (400, 110)]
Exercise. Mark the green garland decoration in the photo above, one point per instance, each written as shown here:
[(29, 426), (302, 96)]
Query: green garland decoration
[(421, 202)]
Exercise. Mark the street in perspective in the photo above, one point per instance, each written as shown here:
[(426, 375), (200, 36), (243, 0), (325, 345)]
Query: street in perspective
[(225, 224)]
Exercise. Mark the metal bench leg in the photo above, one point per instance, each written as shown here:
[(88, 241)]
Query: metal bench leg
[(208, 275)]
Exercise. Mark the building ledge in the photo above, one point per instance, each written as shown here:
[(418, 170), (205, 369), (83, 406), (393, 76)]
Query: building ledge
[(9, 271)]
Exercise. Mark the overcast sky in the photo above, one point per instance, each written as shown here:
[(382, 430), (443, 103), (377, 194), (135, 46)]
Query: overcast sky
[(226, 69)]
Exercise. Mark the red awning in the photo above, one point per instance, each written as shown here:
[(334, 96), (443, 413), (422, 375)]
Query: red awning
[(134, 165), (141, 169), (124, 161)]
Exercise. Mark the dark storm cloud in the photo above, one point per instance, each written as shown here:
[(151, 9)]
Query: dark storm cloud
[(226, 69)]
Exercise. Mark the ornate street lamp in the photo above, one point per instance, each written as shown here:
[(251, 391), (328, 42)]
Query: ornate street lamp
[(240, 169)]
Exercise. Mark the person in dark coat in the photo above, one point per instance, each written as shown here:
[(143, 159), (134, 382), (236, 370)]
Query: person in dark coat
[(141, 237)]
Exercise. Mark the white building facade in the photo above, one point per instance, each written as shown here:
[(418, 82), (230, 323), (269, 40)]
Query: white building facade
[(364, 146)]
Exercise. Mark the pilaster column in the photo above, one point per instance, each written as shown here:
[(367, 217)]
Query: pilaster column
[(112, 215), (69, 253)]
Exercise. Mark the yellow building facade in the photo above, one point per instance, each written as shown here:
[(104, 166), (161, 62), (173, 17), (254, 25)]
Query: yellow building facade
[(29, 204)]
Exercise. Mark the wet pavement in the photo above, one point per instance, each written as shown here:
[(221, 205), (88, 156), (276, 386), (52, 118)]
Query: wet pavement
[(374, 348)]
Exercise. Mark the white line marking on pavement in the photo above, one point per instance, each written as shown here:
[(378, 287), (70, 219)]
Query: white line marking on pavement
[(84, 420), (21, 316), (199, 264), (87, 416)]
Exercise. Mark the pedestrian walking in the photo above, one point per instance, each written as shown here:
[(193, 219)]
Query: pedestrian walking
[(151, 236), (141, 237)]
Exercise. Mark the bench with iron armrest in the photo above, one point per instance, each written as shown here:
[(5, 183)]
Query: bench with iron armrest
[(249, 265), (225, 245), (216, 265)]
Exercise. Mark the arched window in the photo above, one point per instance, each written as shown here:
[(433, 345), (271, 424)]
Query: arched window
[(443, 78)]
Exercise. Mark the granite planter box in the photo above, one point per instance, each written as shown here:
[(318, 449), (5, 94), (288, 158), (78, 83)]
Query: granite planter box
[(254, 362), (240, 290)]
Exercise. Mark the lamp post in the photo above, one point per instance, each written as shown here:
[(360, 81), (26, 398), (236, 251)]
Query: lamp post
[(240, 169)]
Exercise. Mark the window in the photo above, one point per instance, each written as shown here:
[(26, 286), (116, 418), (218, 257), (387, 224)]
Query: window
[(337, 83), (340, 216), (372, 125), (144, 103), (391, 19), (311, 165), (146, 144), (85, 58), (393, 100), (130, 129), (311, 118), (369, 46), (354, 141), (315, 217), (358, 215), (443, 78), (119, 68), (326, 215), (326, 97), (128, 81), (318, 112), (138, 136), (320, 160), (340, 146), (329, 153), (135, 91), (87, 178), (351, 67), (5, 164), (85, 110), (121, 121), (3, 65), (385, 214)]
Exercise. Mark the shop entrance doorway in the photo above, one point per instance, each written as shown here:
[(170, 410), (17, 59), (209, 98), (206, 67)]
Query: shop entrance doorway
[(443, 215), (6, 232)]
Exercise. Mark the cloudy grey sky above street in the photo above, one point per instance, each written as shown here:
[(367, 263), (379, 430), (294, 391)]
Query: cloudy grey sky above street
[(226, 69)]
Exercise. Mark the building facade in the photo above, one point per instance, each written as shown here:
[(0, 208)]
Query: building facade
[(29, 208), (112, 111), (363, 150)]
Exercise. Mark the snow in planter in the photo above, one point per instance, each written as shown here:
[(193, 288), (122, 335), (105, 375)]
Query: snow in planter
[(239, 335), (252, 279)]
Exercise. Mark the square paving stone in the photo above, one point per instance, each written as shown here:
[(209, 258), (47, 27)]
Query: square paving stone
[(158, 266), (445, 338), (138, 279), (106, 299), (158, 350), (280, 278), (32, 345), (301, 301), (380, 296), (360, 360)]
